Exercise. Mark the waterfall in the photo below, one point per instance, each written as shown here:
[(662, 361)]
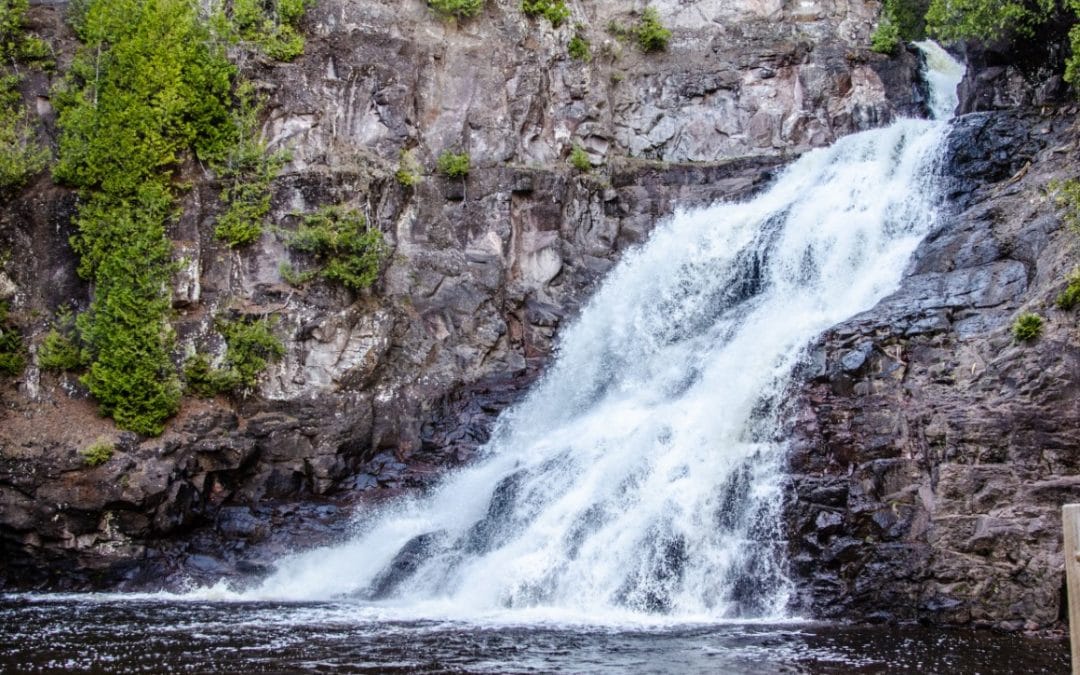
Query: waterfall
[(643, 474)]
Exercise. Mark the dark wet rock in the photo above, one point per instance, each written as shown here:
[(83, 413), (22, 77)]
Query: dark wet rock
[(927, 476), (494, 527), (405, 563)]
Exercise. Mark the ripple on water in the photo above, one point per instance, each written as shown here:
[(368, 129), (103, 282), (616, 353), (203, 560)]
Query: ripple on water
[(50, 635)]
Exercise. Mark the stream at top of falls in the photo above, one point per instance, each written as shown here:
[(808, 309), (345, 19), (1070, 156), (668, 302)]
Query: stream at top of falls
[(626, 516)]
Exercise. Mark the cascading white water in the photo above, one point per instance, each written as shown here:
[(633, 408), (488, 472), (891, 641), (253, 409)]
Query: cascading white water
[(943, 74), (643, 473)]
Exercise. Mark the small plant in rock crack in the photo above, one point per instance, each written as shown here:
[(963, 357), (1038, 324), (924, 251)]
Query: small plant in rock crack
[(1027, 327)]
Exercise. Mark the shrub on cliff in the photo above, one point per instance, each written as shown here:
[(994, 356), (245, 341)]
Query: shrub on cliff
[(150, 86), (555, 11), (250, 347), (579, 159), (986, 19), (21, 156), (1027, 327), (408, 172), (271, 26), (650, 34), (453, 164), (12, 358), (1069, 298), (885, 38), (60, 350), (345, 249), (461, 9), (247, 170), (98, 452), (578, 47)]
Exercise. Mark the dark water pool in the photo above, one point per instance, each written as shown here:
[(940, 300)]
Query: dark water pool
[(153, 636)]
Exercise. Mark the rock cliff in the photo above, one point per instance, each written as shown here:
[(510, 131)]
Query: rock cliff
[(380, 390), (932, 451)]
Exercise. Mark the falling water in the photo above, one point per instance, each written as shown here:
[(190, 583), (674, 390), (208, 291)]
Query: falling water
[(642, 475)]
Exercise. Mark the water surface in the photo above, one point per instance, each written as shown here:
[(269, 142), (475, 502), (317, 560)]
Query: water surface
[(156, 636)]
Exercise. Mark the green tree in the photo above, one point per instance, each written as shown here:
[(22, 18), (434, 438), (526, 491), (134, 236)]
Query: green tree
[(148, 85)]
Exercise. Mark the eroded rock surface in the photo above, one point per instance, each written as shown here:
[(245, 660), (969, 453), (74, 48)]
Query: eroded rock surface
[(932, 452)]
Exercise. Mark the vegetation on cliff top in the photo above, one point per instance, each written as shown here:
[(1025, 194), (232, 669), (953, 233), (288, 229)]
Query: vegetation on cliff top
[(986, 20)]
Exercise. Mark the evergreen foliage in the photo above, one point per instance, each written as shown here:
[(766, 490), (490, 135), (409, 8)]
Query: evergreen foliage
[(98, 452), (247, 170), (454, 164), (60, 349), (408, 173), (579, 159), (1070, 297), (21, 156), (271, 25), (886, 37), (347, 251), (650, 34), (148, 85), (461, 9), (986, 19), (578, 47), (250, 346), (555, 11), (12, 354)]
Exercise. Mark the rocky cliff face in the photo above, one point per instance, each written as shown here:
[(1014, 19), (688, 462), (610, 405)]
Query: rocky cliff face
[(379, 391), (932, 452)]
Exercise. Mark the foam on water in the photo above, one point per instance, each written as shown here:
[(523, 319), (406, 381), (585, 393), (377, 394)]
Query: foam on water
[(641, 478)]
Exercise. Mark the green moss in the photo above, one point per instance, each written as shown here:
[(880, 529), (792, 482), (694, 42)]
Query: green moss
[(98, 452), (12, 353), (1070, 297), (454, 165), (344, 248), (461, 9), (60, 350), (579, 159), (1027, 327), (649, 33), (555, 11)]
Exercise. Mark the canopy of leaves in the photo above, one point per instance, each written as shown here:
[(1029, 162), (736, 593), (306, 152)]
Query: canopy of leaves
[(986, 19)]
